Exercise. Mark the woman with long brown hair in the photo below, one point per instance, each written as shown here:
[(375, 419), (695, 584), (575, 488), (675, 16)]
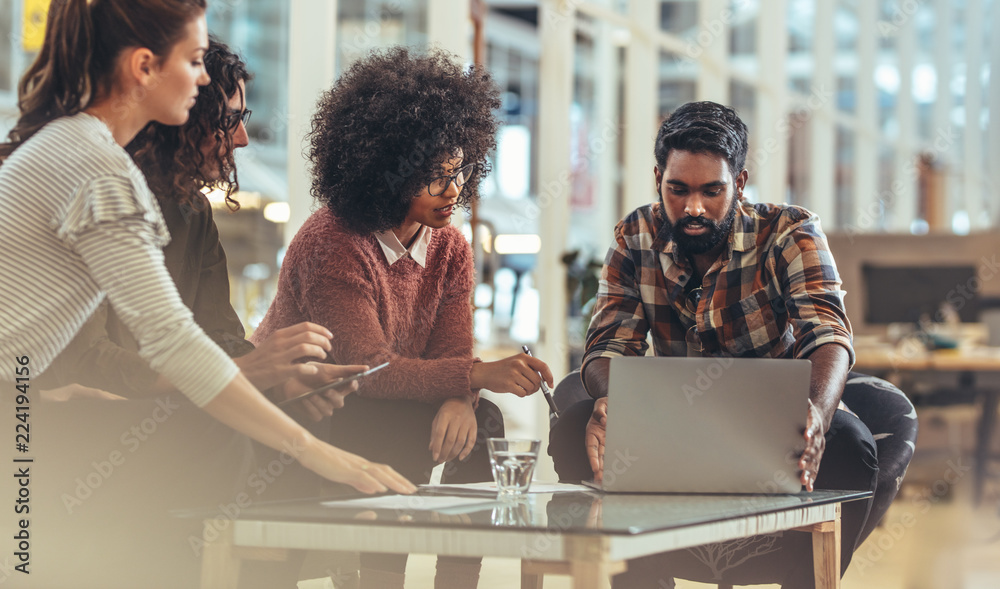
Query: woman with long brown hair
[(180, 163), (78, 222)]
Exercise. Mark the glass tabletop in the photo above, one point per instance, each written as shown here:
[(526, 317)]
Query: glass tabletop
[(578, 512)]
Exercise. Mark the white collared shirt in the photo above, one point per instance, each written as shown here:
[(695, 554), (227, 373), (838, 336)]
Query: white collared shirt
[(394, 249)]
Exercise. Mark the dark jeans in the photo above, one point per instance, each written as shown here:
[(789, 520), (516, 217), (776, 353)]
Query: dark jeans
[(849, 463), (397, 433), (892, 420)]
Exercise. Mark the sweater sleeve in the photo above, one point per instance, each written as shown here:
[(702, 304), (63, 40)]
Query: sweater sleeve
[(336, 289), (125, 262), (451, 335)]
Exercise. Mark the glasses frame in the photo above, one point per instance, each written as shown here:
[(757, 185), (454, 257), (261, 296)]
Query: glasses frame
[(693, 341), (233, 120), (691, 300), (471, 168), (691, 337)]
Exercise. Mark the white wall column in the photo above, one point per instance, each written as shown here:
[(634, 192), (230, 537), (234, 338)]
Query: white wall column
[(994, 106), (312, 51), (866, 207), (972, 154), (714, 17), (642, 66), (768, 160), (941, 125), (822, 198), (449, 27), (557, 21), (904, 186), (605, 135)]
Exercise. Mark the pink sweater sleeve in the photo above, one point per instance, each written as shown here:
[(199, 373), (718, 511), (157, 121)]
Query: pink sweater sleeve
[(451, 336), (336, 290)]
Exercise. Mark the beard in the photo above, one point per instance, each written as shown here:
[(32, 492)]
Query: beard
[(699, 244)]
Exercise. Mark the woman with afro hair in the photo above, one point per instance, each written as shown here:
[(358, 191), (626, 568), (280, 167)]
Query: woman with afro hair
[(397, 146)]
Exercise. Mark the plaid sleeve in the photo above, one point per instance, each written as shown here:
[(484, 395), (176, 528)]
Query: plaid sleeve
[(811, 283), (618, 327)]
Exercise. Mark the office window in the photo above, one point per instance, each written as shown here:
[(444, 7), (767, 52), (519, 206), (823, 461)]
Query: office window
[(363, 25), (258, 30), (8, 80)]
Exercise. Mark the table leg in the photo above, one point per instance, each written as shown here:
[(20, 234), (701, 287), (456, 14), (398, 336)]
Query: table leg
[(590, 565), (826, 553), (220, 563), (590, 574), (531, 577), (984, 438), (533, 571)]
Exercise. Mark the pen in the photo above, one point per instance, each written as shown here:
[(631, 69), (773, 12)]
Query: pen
[(553, 412)]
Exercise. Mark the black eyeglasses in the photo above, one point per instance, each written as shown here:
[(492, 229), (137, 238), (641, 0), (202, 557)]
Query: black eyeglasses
[(233, 120), (691, 338), (438, 185)]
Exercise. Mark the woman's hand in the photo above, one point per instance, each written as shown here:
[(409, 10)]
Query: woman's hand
[(815, 445), (322, 404), (517, 375), (279, 357), (453, 432), (73, 392), (344, 467), (244, 409)]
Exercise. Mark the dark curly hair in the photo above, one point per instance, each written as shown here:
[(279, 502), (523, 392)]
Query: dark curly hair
[(379, 135), (172, 158), (704, 127)]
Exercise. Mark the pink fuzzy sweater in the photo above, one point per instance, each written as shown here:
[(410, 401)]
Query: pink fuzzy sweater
[(418, 319)]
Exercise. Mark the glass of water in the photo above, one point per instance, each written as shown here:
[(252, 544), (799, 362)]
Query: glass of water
[(513, 463)]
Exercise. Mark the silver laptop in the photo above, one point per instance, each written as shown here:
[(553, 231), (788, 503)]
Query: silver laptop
[(705, 425)]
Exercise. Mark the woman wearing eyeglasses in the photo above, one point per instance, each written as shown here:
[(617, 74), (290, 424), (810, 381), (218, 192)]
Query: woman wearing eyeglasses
[(178, 163), (398, 145)]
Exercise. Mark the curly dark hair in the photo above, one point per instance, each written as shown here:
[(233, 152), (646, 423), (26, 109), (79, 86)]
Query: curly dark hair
[(704, 127), (379, 135), (172, 158)]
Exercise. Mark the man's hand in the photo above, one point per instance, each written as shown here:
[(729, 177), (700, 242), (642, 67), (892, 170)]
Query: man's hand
[(453, 432), (322, 404), (518, 375), (279, 357), (74, 392), (815, 444), (830, 364), (596, 429)]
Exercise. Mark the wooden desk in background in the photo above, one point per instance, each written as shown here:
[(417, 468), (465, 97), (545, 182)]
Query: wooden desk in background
[(968, 364)]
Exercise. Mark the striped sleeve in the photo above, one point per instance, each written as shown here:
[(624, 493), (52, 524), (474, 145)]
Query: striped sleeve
[(126, 264), (106, 199)]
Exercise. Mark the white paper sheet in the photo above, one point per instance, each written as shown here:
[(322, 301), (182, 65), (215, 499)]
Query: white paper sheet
[(489, 489), (412, 503)]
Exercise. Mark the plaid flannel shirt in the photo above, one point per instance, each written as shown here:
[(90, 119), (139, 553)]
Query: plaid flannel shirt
[(775, 291)]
